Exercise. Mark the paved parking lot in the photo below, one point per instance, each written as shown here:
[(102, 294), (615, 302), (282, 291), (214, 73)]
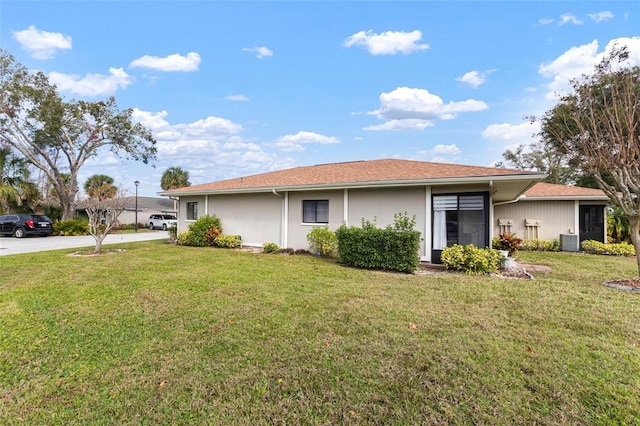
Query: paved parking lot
[(10, 245)]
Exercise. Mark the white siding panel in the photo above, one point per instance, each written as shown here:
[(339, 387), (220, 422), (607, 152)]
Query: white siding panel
[(557, 217)]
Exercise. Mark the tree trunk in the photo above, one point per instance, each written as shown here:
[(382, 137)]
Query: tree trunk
[(98, 247), (635, 238)]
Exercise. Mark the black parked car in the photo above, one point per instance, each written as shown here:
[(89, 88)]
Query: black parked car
[(21, 225)]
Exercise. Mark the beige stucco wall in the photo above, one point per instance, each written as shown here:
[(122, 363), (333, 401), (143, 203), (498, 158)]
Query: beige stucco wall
[(183, 223), (556, 217), (297, 231), (257, 218), (384, 203)]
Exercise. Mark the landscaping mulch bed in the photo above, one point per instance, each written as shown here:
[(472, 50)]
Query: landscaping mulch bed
[(629, 284)]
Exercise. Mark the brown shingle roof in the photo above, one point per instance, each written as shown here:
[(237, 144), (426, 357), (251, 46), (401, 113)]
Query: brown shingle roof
[(354, 172), (542, 189)]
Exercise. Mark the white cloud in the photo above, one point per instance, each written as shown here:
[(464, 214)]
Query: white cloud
[(598, 17), (580, 60), (174, 62), (475, 78), (260, 52), (439, 153), (291, 143), (420, 107), (92, 84), (545, 21), (236, 98), (42, 44), (568, 18), (512, 135), (388, 42), (209, 148), (401, 125), (446, 149)]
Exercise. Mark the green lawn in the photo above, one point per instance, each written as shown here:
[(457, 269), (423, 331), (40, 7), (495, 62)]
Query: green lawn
[(177, 335)]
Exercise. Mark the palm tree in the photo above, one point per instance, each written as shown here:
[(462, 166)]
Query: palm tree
[(172, 178), (100, 187), (15, 185)]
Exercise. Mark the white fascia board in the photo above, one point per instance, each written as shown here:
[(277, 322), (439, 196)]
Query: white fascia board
[(367, 184)]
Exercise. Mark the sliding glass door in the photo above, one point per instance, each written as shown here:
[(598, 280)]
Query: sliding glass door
[(459, 219)]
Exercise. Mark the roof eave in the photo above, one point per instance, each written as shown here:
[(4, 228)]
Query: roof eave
[(366, 184), (565, 198)]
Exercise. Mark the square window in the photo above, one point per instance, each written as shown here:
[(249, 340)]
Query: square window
[(315, 211), (192, 211)]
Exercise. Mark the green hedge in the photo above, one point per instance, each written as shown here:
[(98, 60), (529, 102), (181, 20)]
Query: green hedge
[(393, 248), (71, 227), (540, 245), (616, 249)]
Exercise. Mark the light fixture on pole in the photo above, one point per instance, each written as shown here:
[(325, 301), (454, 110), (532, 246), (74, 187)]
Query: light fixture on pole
[(136, 184)]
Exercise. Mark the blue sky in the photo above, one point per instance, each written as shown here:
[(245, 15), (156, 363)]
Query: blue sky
[(236, 88)]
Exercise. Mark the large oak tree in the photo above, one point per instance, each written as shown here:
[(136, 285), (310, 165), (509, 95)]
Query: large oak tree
[(597, 127), (58, 137)]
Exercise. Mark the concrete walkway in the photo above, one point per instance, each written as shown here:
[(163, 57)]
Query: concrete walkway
[(11, 245)]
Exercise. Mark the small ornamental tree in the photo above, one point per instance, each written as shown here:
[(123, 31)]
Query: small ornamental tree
[(103, 215)]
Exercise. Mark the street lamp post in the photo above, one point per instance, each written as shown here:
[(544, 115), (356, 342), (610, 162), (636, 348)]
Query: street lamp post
[(136, 184)]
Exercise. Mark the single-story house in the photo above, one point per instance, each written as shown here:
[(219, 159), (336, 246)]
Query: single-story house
[(547, 211), (452, 203)]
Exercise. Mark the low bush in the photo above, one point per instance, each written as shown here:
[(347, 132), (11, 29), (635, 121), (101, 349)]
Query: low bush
[(540, 245), (322, 241), (393, 248), (199, 230), (615, 249), (173, 234), (471, 259), (71, 227), (228, 241), (270, 247)]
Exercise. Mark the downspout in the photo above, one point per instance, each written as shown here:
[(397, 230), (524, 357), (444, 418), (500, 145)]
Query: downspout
[(510, 201), (276, 193)]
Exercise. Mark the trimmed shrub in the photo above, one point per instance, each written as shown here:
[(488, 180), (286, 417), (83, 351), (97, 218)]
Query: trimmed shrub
[(322, 241), (540, 245), (269, 247), (471, 259), (393, 248), (615, 249), (228, 241), (71, 227), (197, 234)]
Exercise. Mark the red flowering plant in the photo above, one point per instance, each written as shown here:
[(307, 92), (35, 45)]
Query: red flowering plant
[(508, 242)]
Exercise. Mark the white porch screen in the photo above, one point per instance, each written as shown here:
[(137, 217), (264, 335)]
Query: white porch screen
[(459, 219), (442, 203)]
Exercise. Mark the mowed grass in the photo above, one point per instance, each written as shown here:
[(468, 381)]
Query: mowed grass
[(176, 335)]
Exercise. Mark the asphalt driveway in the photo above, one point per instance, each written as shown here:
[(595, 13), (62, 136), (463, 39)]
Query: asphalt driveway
[(11, 245)]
